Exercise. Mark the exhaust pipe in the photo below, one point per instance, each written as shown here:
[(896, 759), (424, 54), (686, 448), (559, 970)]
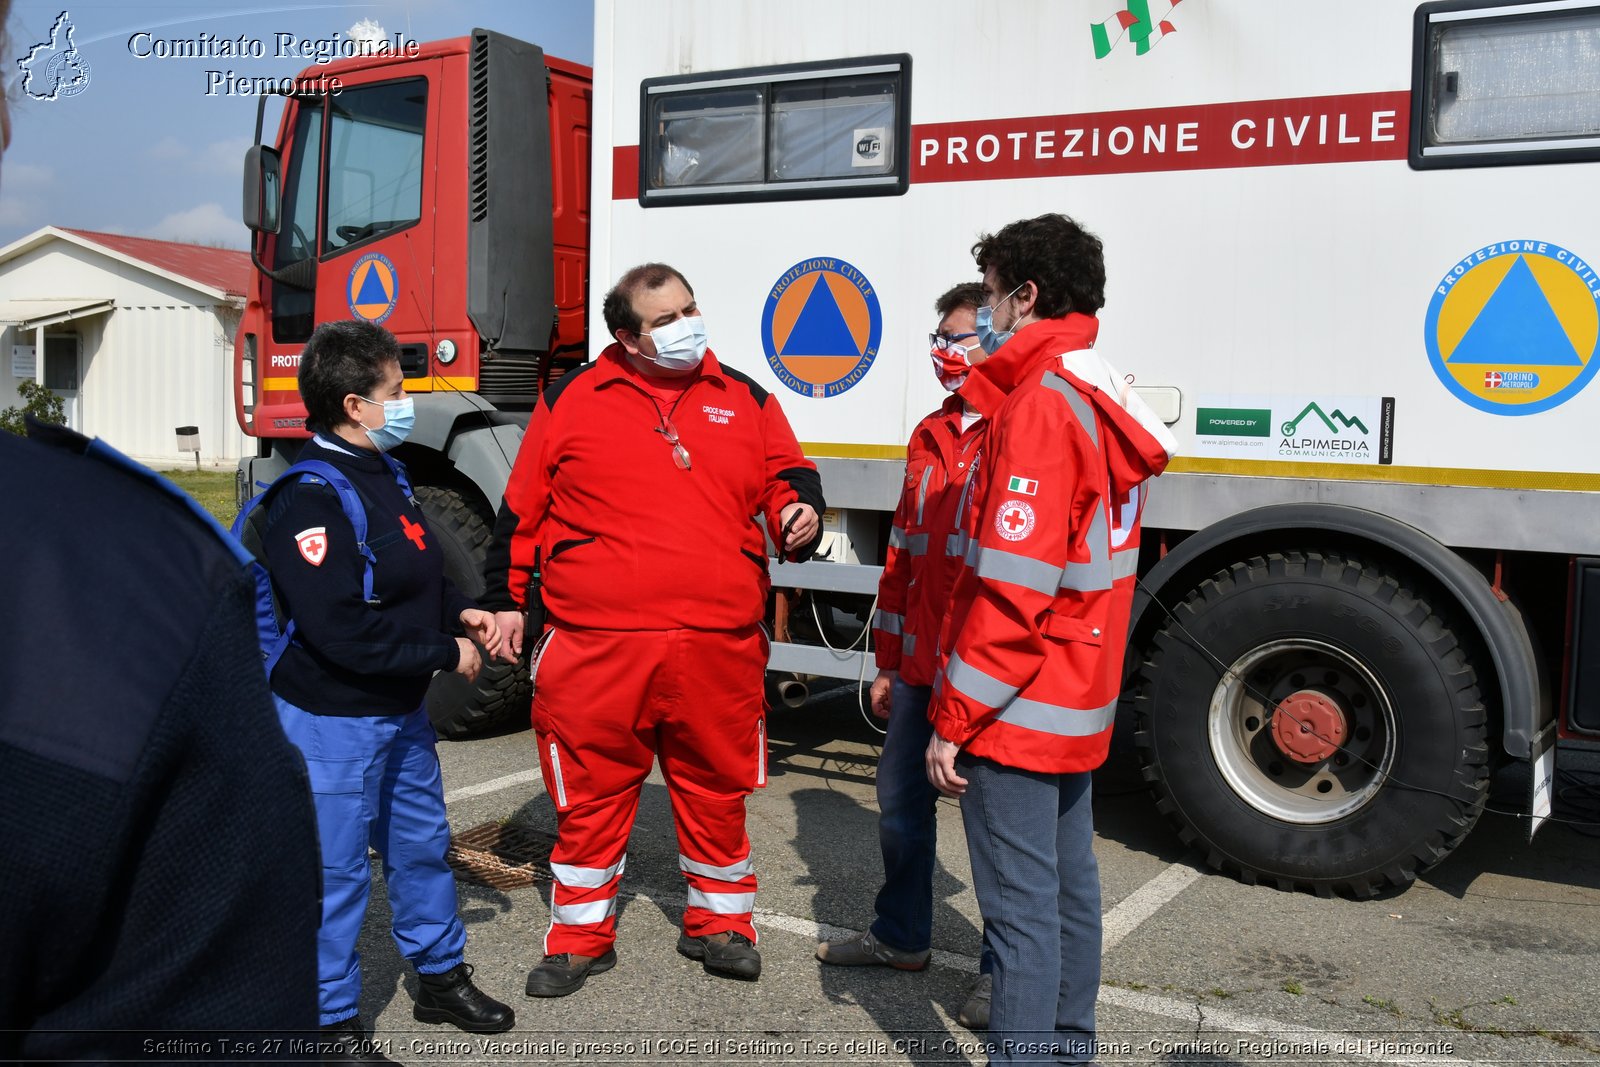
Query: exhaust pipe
[(793, 692)]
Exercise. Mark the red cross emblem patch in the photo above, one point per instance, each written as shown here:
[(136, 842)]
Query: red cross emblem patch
[(415, 532), (313, 544), (1014, 520)]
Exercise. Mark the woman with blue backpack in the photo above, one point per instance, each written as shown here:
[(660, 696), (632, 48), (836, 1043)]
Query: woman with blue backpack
[(369, 616)]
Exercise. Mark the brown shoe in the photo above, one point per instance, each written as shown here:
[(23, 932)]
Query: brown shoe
[(565, 972)]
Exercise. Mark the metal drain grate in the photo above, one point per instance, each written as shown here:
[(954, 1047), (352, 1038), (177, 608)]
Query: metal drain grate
[(501, 856)]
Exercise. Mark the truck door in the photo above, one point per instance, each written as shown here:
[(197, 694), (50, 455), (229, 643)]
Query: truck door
[(375, 242)]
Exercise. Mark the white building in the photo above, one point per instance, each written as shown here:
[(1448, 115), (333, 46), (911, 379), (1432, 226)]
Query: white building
[(135, 335)]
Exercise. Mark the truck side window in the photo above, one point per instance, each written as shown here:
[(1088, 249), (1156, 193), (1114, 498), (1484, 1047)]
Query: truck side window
[(776, 133), (837, 128), (717, 137), (374, 161), (1504, 85), (293, 309)]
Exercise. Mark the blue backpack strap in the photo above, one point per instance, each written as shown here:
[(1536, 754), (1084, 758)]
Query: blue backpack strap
[(398, 469), (315, 471), (350, 503)]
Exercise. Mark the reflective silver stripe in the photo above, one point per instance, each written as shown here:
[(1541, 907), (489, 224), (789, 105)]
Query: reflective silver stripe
[(1096, 574), (1030, 573), (595, 911), (889, 622), (555, 771), (587, 877), (722, 903), (897, 537), (984, 688), (922, 491), (1080, 406), (1124, 564), (908, 645), (1057, 719), (917, 544), (970, 556), (731, 873), (955, 545), (761, 753)]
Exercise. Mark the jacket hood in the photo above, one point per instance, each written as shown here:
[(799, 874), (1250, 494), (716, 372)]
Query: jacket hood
[(1137, 443)]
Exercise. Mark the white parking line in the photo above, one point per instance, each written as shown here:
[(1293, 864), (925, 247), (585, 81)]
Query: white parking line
[(1144, 902), (1289, 1040), (1303, 1041), (493, 785)]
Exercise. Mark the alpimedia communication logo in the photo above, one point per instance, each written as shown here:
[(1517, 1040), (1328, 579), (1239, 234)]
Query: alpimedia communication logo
[(1316, 433), (54, 69), (1332, 421)]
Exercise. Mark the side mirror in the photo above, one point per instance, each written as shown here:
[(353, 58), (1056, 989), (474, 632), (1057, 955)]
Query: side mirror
[(263, 189)]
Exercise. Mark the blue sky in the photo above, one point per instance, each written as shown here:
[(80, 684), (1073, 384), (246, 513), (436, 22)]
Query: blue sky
[(143, 149)]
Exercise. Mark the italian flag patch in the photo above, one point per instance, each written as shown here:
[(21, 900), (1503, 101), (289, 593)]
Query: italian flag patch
[(1025, 486)]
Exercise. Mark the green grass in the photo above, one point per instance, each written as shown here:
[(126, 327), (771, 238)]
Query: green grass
[(213, 489)]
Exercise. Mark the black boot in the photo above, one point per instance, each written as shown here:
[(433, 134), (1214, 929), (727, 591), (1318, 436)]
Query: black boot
[(452, 998), (727, 953), (347, 1042)]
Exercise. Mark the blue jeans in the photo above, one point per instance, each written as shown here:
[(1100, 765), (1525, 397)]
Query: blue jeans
[(375, 781), (906, 831), (907, 834), (1029, 836)]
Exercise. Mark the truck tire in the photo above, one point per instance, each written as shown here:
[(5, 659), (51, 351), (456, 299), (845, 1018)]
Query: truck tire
[(1311, 721), (501, 695)]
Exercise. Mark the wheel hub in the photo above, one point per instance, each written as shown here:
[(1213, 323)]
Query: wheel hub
[(1309, 726)]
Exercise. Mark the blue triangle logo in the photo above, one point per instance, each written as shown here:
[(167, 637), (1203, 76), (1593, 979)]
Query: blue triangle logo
[(821, 329), (372, 291), (1517, 326)]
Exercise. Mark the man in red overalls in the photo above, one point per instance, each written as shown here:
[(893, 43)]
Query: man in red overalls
[(637, 489)]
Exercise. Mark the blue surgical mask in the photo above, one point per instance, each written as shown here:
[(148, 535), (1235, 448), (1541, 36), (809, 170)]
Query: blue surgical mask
[(681, 343), (399, 416), (990, 338)]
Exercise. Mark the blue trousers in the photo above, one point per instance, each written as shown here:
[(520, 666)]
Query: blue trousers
[(907, 832), (375, 782), (1029, 836)]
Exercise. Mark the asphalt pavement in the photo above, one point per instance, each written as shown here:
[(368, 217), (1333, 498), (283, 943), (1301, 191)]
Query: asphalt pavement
[(1489, 958)]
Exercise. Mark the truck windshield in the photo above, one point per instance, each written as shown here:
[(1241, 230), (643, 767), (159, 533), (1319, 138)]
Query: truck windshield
[(374, 161)]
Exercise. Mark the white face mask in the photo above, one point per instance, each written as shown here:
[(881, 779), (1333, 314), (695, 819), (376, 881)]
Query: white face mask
[(681, 343)]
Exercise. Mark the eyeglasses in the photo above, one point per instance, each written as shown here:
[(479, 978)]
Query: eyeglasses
[(680, 455), (945, 342)]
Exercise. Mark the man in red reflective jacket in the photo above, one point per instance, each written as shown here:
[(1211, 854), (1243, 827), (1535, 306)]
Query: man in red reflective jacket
[(1022, 712), (637, 489), (913, 593)]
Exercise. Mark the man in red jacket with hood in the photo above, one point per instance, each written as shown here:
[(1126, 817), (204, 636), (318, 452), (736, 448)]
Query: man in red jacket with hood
[(635, 493), (1037, 626)]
